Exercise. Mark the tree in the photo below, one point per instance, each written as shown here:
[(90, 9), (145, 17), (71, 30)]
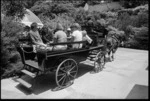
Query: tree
[(14, 8), (133, 3)]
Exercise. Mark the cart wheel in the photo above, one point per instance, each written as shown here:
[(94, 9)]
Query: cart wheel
[(99, 62), (66, 73)]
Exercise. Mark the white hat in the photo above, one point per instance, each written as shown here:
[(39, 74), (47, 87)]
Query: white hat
[(68, 29)]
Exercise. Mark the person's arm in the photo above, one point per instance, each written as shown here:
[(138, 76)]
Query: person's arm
[(45, 39), (34, 41), (89, 39), (55, 38), (72, 39)]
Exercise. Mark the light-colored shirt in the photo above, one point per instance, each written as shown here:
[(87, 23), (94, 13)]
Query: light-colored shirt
[(60, 36), (35, 38), (87, 38), (77, 37)]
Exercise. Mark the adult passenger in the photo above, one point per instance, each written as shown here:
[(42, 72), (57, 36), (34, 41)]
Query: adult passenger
[(59, 37), (76, 35)]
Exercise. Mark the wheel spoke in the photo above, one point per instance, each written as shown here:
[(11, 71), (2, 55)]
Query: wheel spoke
[(66, 72), (68, 78), (62, 70), (61, 74), (72, 68), (63, 81), (71, 64), (63, 67), (61, 78), (67, 63), (72, 71), (72, 76)]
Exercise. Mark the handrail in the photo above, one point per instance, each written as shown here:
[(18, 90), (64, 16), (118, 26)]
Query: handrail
[(21, 46), (65, 43)]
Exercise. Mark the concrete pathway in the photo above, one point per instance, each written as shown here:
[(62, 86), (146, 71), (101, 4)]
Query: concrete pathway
[(116, 81)]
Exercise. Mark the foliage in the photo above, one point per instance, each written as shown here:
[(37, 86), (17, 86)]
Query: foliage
[(31, 3), (13, 8), (133, 3), (52, 10), (9, 32), (81, 17), (139, 38)]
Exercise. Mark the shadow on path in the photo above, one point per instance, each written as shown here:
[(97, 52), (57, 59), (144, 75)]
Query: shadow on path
[(47, 82)]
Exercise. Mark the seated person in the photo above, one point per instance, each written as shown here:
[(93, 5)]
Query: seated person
[(44, 31), (76, 35), (26, 31), (60, 36), (86, 37), (35, 36), (36, 40)]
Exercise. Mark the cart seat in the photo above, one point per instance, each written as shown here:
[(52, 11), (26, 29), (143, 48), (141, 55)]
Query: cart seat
[(54, 53)]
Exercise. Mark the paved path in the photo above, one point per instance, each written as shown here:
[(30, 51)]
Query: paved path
[(116, 81)]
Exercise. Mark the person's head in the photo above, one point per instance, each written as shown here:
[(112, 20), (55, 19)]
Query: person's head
[(44, 30), (75, 26), (59, 26), (34, 26), (90, 23), (26, 28), (68, 30)]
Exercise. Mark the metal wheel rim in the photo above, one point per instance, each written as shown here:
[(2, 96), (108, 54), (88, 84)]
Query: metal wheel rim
[(66, 74)]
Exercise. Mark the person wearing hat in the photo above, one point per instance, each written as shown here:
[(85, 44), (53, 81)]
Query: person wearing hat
[(68, 32), (60, 36), (76, 35)]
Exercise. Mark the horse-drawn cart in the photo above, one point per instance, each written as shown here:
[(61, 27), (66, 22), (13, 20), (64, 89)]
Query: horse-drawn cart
[(63, 62)]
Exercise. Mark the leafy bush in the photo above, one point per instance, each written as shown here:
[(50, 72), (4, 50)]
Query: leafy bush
[(139, 39), (133, 3), (9, 32), (81, 17), (52, 10), (13, 8)]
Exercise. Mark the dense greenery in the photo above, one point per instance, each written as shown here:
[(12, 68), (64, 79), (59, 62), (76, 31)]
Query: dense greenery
[(10, 58), (133, 3), (133, 21)]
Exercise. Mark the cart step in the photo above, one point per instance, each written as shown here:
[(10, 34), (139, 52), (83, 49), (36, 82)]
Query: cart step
[(28, 73), (21, 81)]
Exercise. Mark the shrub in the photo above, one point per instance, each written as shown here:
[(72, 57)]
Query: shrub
[(81, 16), (52, 10), (9, 32), (140, 38)]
